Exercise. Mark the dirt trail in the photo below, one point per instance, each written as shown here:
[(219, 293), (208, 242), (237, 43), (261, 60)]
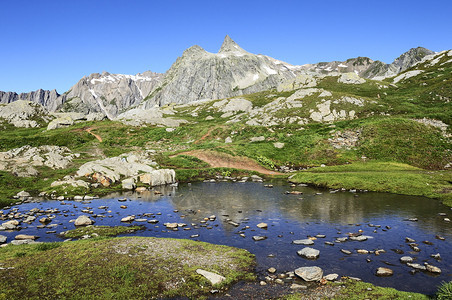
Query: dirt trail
[(92, 133), (223, 160)]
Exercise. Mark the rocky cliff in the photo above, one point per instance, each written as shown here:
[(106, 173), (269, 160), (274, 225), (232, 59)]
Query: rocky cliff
[(49, 99), (198, 74), (108, 93)]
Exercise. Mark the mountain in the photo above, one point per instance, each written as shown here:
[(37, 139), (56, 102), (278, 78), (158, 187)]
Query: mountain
[(368, 68), (198, 74), (109, 93), (49, 99)]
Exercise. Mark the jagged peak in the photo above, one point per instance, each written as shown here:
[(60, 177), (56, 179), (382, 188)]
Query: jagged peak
[(230, 46), (193, 50)]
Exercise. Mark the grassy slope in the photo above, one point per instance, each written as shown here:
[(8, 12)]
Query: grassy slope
[(93, 269), (382, 177)]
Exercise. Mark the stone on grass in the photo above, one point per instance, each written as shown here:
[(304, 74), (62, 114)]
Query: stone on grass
[(309, 273), (331, 277), (212, 277)]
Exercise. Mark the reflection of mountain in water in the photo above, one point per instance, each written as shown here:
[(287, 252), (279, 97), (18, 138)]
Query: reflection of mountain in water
[(238, 201)]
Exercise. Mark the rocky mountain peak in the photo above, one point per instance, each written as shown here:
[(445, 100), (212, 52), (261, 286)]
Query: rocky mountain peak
[(193, 51), (230, 46), (409, 58)]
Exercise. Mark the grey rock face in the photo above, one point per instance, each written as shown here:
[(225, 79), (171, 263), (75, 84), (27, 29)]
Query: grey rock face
[(109, 94), (232, 71), (47, 99)]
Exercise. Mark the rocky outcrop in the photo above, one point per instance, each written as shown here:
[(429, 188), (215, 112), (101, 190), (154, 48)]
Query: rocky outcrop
[(129, 166), (48, 99), (22, 161), (23, 113), (152, 116)]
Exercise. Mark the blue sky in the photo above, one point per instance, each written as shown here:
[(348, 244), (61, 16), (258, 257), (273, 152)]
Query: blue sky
[(53, 43)]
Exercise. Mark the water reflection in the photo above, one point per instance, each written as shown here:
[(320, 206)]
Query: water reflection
[(288, 216)]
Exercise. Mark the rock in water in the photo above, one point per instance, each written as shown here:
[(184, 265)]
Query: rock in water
[(309, 273), (259, 238), (25, 237), (406, 259), (303, 242), (83, 221), (212, 277), (384, 272), (128, 219), (309, 253), (262, 225), (433, 269)]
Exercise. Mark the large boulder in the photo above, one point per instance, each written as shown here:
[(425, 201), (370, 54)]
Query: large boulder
[(60, 122), (128, 184), (159, 177)]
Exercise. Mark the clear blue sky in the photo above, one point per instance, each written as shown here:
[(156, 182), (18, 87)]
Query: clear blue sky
[(53, 43)]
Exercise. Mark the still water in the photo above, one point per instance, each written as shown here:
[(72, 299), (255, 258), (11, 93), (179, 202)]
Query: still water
[(381, 217)]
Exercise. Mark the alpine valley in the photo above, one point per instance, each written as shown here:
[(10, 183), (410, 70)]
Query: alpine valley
[(354, 125)]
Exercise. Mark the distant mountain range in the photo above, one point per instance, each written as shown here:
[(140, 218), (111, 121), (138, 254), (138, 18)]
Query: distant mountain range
[(198, 75)]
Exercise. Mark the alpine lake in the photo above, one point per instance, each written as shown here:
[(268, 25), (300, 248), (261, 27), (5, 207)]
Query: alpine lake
[(227, 213)]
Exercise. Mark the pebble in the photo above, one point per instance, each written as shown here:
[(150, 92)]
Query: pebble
[(295, 286), (362, 251), (271, 270), (259, 238), (346, 251), (262, 225)]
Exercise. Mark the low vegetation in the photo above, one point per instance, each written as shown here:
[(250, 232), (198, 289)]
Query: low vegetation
[(119, 268), (99, 231), (388, 177)]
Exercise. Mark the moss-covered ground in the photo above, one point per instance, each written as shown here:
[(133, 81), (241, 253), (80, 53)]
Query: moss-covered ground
[(118, 268)]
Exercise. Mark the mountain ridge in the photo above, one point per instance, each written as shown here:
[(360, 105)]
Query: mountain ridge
[(197, 75)]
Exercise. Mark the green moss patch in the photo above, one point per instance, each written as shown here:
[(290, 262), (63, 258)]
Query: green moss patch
[(119, 268), (363, 290), (100, 231)]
